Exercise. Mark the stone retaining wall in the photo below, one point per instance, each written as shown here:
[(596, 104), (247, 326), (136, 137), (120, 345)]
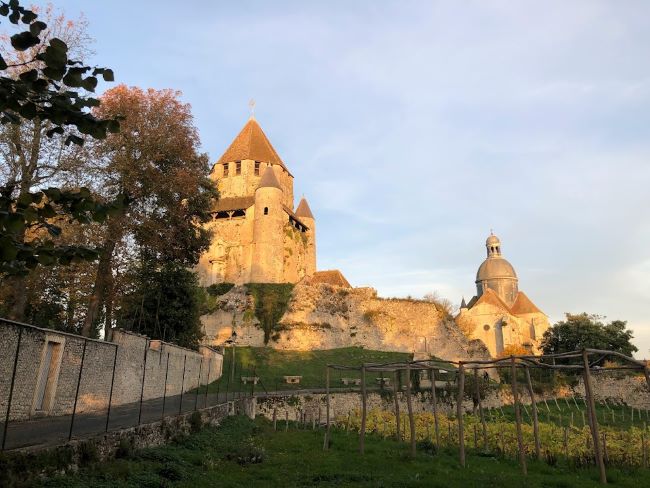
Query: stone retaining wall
[(49, 368)]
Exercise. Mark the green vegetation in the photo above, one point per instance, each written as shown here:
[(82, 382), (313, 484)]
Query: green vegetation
[(271, 365), (246, 453), (584, 330), (271, 300), (219, 289)]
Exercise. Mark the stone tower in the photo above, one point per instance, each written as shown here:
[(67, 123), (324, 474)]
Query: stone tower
[(304, 213), (257, 236), (268, 225), (497, 274)]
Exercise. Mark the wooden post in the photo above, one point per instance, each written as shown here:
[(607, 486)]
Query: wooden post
[(327, 410), (480, 408), (644, 449), (362, 434), (475, 437), (515, 396), (397, 425), (566, 444), (275, 419), (435, 408), (409, 407), (286, 420), (593, 420), (459, 413), (605, 453), (538, 450)]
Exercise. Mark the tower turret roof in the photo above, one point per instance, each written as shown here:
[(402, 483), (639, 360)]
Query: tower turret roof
[(269, 180), (303, 209), (251, 143)]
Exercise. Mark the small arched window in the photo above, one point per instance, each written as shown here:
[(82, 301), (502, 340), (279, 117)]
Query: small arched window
[(266, 210)]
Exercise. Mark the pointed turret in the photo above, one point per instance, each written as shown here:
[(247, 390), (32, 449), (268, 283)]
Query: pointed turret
[(251, 144), (303, 212), (303, 209), (269, 180), (463, 305)]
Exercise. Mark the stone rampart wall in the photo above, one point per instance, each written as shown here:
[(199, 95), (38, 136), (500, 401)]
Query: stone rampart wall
[(46, 384)]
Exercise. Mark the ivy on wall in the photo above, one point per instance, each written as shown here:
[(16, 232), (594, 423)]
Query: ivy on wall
[(271, 300)]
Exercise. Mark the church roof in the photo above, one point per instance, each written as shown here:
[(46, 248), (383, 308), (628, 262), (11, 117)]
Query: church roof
[(251, 143), (303, 209), (269, 179), (330, 277), (495, 267), (490, 296), (523, 305)]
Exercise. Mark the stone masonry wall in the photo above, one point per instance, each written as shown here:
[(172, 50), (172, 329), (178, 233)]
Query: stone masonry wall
[(60, 386)]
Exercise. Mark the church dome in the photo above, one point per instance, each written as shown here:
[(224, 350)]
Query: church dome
[(495, 267), (497, 273)]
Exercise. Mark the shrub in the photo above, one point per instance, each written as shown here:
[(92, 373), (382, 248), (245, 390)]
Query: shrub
[(219, 289), (196, 422)]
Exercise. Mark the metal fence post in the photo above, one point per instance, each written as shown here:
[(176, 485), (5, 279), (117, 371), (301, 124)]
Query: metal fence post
[(76, 396), (207, 383), (165, 388), (144, 377), (198, 386), (110, 395), (180, 406), (11, 388)]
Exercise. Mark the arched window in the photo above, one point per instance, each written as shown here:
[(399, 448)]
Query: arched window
[(266, 210)]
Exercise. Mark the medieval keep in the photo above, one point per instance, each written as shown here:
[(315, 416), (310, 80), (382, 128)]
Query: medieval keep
[(500, 315), (258, 236)]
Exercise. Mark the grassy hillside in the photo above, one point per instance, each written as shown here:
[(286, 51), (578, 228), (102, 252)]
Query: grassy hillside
[(271, 365), (246, 453)]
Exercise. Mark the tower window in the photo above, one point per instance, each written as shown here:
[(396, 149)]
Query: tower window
[(225, 169), (266, 210), (238, 168), (257, 168)]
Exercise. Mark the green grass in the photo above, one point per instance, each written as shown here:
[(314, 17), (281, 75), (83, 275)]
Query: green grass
[(621, 419), (227, 457), (271, 365)]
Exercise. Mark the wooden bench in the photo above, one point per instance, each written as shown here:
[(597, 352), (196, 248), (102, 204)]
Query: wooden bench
[(292, 379), (351, 381), (250, 379)]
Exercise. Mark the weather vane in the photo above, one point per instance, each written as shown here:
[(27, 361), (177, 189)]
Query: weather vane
[(251, 104)]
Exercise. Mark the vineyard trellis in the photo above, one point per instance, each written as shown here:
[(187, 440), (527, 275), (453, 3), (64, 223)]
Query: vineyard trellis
[(596, 443)]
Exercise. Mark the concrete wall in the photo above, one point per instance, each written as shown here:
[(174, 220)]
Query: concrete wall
[(60, 386)]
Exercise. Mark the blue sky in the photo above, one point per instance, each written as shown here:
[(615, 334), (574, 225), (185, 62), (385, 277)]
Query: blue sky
[(414, 127)]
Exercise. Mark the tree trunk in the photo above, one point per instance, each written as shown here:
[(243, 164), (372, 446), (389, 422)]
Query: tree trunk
[(98, 295)]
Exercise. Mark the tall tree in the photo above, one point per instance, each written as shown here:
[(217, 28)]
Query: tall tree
[(583, 330), (44, 108), (155, 159)]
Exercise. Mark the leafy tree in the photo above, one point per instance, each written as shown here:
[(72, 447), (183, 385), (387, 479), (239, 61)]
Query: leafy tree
[(44, 102), (155, 158), (164, 304), (583, 330)]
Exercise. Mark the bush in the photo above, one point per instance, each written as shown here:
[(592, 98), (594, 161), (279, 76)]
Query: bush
[(196, 422), (219, 289), (124, 449), (246, 454)]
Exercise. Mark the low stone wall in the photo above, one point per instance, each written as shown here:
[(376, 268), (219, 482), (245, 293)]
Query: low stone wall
[(49, 370), (630, 390)]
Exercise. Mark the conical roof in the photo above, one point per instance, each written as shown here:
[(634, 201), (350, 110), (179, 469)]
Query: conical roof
[(303, 209), (251, 143), (269, 179), (523, 305)]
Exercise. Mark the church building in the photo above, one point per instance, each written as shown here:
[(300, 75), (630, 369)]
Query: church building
[(259, 237), (500, 315)]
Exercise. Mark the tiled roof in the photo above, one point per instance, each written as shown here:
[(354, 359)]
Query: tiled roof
[(303, 209), (251, 143), (523, 305), (490, 296), (234, 203), (269, 179), (330, 277)]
